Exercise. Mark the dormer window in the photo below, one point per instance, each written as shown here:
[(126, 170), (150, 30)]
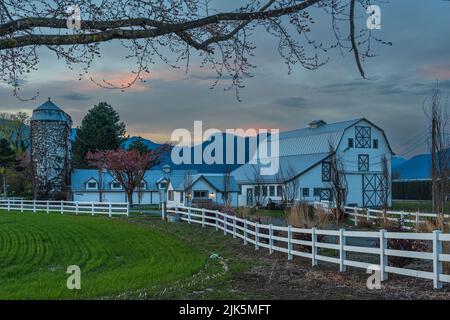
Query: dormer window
[(116, 185), (92, 185), (142, 185)]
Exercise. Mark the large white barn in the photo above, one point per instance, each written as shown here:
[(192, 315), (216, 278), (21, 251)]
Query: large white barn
[(304, 153)]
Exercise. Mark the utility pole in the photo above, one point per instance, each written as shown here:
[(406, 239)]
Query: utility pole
[(433, 157)]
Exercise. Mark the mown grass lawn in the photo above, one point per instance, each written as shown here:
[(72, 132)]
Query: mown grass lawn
[(117, 258)]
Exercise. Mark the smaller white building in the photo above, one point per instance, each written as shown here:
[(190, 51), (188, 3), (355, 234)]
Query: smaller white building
[(202, 190), (91, 185)]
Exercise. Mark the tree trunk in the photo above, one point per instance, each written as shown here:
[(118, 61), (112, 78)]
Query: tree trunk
[(130, 196)]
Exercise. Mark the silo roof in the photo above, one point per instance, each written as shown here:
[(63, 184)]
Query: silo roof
[(49, 111)]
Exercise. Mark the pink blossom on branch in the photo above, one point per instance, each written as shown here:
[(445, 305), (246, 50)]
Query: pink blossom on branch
[(127, 166)]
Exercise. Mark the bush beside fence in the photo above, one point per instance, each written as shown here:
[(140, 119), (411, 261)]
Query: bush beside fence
[(77, 207), (286, 240)]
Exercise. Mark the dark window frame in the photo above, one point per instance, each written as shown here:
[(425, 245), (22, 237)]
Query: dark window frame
[(363, 137), (351, 143), (326, 171), (375, 143), (363, 162), (305, 192)]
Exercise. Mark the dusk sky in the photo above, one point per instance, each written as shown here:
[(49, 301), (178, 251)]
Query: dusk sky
[(401, 77)]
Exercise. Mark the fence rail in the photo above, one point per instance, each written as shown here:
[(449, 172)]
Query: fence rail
[(313, 243), (409, 218), (77, 207)]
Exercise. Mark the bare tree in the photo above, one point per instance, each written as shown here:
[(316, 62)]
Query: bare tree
[(226, 195), (385, 187), (257, 180), (287, 177), (439, 154), (338, 183), (220, 34), (187, 186)]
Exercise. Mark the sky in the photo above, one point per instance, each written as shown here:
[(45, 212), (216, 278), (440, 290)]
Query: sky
[(400, 79)]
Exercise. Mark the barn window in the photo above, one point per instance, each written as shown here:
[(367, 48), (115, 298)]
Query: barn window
[(170, 195), (363, 137), (200, 194), (92, 185), (326, 171), (375, 143), (181, 196), (350, 142), (257, 191), (325, 195), (116, 185), (279, 191), (305, 192), (363, 162), (316, 192), (264, 191), (142, 185), (272, 191)]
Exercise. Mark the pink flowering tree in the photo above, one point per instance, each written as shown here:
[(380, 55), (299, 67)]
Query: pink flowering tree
[(127, 166)]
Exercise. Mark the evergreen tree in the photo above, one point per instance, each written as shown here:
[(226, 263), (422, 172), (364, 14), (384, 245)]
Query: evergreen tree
[(100, 130), (8, 160)]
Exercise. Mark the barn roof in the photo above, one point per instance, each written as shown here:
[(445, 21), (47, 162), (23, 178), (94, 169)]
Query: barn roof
[(215, 180)]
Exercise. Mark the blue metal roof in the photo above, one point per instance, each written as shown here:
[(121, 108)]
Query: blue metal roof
[(48, 111), (215, 180)]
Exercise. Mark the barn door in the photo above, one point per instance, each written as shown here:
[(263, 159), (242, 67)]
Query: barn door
[(372, 190)]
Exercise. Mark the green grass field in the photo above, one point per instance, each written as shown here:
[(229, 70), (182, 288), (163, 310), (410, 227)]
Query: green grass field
[(116, 257), (414, 205)]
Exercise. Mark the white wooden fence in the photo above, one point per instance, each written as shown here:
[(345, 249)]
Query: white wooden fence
[(92, 208), (410, 219), (288, 239)]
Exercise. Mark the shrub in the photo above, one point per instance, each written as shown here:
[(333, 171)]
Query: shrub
[(401, 244)]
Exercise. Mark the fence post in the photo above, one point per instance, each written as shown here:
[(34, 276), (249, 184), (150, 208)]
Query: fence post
[(313, 246), (256, 236), (417, 219), (128, 209), (163, 211), (189, 215), (234, 227), (203, 217), (383, 257), (289, 242), (437, 265), (34, 205), (271, 238), (9, 204), (356, 216), (402, 213), (217, 220), (48, 206), (21, 205), (92, 208), (62, 207), (342, 252), (76, 207), (368, 214), (245, 231), (110, 210)]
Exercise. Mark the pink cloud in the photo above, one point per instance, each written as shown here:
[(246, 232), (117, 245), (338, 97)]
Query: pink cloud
[(436, 72)]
